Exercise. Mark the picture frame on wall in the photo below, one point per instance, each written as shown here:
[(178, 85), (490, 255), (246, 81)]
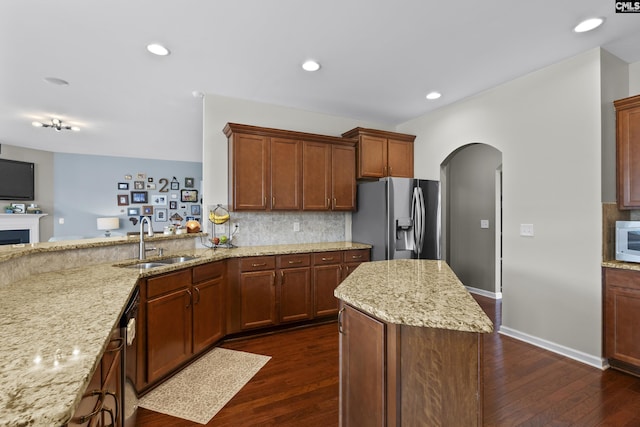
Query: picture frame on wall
[(123, 199), (123, 186), (175, 185), (159, 199), (189, 196), (139, 197), (133, 211), (195, 209), (189, 182), (147, 210), (160, 215), (173, 204), (138, 185)]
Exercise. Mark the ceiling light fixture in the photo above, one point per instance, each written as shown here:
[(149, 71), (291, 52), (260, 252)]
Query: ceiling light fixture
[(311, 65), (55, 124), (158, 49), (588, 25), (433, 95)]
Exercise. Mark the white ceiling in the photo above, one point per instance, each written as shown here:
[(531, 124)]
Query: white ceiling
[(379, 59)]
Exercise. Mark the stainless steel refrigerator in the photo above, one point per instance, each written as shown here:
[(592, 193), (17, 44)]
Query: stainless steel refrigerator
[(400, 217)]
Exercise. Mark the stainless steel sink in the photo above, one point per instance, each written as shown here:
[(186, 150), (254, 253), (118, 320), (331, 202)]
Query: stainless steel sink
[(145, 265), (176, 260)]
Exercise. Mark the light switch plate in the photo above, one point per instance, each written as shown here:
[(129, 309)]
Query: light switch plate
[(484, 223), (526, 230)]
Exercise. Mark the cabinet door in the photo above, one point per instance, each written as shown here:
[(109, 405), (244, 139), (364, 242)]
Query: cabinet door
[(326, 279), (113, 387), (258, 299), (362, 369), (169, 326), (208, 313), (249, 184), (372, 157), (343, 177), (400, 158), (316, 179), (286, 174), (295, 294), (628, 153)]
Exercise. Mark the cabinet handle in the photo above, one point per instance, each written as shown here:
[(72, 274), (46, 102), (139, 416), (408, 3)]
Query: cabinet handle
[(115, 399), (281, 277), (118, 347), (384, 170), (274, 278), (390, 170), (273, 201), (295, 262), (190, 298), (356, 256), (261, 264), (340, 330), (335, 203), (265, 201), (330, 258), (197, 292), (328, 202), (84, 418)]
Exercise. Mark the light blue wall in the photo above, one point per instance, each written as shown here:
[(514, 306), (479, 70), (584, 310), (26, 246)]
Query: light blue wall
[(86, 187)]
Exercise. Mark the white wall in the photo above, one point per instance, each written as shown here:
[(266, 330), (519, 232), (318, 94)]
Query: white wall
[(634, 78), (548, 127)]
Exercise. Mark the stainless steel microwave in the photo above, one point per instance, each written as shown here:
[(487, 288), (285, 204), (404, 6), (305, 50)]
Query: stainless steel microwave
[(628, 241)]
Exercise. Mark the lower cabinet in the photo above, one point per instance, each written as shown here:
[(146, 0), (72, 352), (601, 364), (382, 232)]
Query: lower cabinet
[(392, 375), (267, 291), (621, 319), (182, 314), (102, 400)]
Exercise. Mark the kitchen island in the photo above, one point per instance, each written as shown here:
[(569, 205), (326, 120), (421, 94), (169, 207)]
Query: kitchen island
[(56, 323), (410, 346)]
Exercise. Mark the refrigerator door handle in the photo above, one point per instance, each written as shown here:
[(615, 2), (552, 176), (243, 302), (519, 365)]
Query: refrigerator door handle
[(416, 219), (422, 212)]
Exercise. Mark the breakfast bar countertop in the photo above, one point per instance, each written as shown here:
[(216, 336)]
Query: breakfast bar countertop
[(424, 293), (56, 325)]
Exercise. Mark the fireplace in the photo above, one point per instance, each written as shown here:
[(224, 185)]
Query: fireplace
[(20, 228), (12, 237)]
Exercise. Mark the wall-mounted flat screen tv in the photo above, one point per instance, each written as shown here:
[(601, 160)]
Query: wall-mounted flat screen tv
[(16, 180)]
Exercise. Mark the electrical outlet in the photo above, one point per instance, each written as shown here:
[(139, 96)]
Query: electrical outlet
[(60, 220), (526, 230), (296, 226), (484, 223)]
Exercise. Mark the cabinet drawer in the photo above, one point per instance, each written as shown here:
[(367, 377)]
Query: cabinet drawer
[(327, 258), (622, 278), (294, 260), (356, 255), (168, 282), (258, 263), (212, 270)]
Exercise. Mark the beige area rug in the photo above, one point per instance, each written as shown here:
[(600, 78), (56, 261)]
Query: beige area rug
[(200, 390)]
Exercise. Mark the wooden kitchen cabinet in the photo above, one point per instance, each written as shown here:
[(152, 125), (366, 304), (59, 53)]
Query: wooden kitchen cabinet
[(102, 400), (257, 288), (274, 169), (383, 153), (628, 152), (621, 319), (327, 275), (392, 375), (181, 315), (294, 288), (352, 259), (169, 324)]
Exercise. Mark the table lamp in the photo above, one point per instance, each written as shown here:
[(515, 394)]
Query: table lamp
[(108, 224)]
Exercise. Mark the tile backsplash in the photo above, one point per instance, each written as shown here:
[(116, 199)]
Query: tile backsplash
[(276, 228)]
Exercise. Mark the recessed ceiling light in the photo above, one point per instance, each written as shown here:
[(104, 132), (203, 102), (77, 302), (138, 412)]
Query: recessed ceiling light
[(158, 49), (588, 25), (56, 81), (433, 95), (311, 65)]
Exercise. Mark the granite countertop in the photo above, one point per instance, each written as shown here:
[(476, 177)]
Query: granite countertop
[(423, 293), (623, 265), (55, 326)]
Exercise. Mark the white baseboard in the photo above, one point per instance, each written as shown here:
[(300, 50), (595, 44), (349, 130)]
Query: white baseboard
[(589, 359), (482, 292)]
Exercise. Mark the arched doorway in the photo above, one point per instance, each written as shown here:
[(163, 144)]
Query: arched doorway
[(472, 212)]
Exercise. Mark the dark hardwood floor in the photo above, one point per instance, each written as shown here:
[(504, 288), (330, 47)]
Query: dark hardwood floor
[(524, 385)]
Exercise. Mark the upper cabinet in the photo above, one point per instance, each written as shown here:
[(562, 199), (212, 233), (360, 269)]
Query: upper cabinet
[(628, 152), (383, 153), (274, 169)]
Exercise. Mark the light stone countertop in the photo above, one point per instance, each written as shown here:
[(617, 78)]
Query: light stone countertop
[(623, 265), (55, 326), (422, 293)]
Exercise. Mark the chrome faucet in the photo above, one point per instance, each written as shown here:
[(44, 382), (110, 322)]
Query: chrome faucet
[(143, 250)]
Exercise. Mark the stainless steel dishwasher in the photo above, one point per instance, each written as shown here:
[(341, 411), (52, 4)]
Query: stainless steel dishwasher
[(128, 332)]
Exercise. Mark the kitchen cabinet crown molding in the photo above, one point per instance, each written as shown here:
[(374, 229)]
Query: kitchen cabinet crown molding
[(630, 102), (355, 132), (231, 128)]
